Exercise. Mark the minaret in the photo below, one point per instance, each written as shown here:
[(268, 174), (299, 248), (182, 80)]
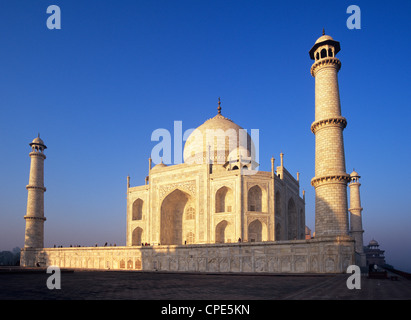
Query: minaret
[(330, 181), (34, 237), (356, 230)]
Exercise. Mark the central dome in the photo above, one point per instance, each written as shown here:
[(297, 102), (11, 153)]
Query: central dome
[(214, 140)]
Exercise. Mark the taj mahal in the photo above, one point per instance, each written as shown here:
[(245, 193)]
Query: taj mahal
[(216, 212), (216, 195)]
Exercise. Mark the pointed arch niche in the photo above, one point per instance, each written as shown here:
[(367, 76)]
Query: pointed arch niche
[(137, 212), (137, 237), (171, 218), (257, 231), (224, 200), (257, 199), (223, 232), (292, 220)]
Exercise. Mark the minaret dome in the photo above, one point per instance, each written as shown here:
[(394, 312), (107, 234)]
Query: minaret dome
[(324, 47), (37, 145)]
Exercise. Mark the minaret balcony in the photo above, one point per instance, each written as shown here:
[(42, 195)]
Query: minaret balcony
[(330, 61)]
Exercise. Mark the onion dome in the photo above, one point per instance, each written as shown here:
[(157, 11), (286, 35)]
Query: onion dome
[(215, 139)]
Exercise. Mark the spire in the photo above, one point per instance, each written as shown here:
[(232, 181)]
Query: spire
[(323, 32), (219, 106)]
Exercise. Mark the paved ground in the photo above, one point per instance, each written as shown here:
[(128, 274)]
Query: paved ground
[(132, 285)]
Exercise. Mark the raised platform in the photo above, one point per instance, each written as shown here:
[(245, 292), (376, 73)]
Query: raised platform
[(297, 256)]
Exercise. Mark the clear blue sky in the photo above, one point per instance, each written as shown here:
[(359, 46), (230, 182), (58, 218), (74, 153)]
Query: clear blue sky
[(118, 70)]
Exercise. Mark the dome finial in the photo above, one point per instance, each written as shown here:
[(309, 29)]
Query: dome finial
[(219, 106), (323, 32)]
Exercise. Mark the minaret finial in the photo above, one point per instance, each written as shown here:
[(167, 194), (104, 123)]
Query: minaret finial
[(219, 106), (323, 32)]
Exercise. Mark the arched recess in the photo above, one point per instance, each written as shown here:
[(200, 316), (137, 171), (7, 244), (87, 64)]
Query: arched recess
[(254, 197), (292, 220), (171, 219), (278, 232), (302, 224), (138, 209), (137, 237), (257, 231), (224, 200), (277, 207), (222, 232), (323, 53)]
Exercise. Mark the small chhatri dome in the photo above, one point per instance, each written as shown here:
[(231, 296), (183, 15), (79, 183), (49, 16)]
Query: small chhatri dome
[(354, 174), (324, 38), (373, 243), (160, 165), (240, 152), (38, 141)]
